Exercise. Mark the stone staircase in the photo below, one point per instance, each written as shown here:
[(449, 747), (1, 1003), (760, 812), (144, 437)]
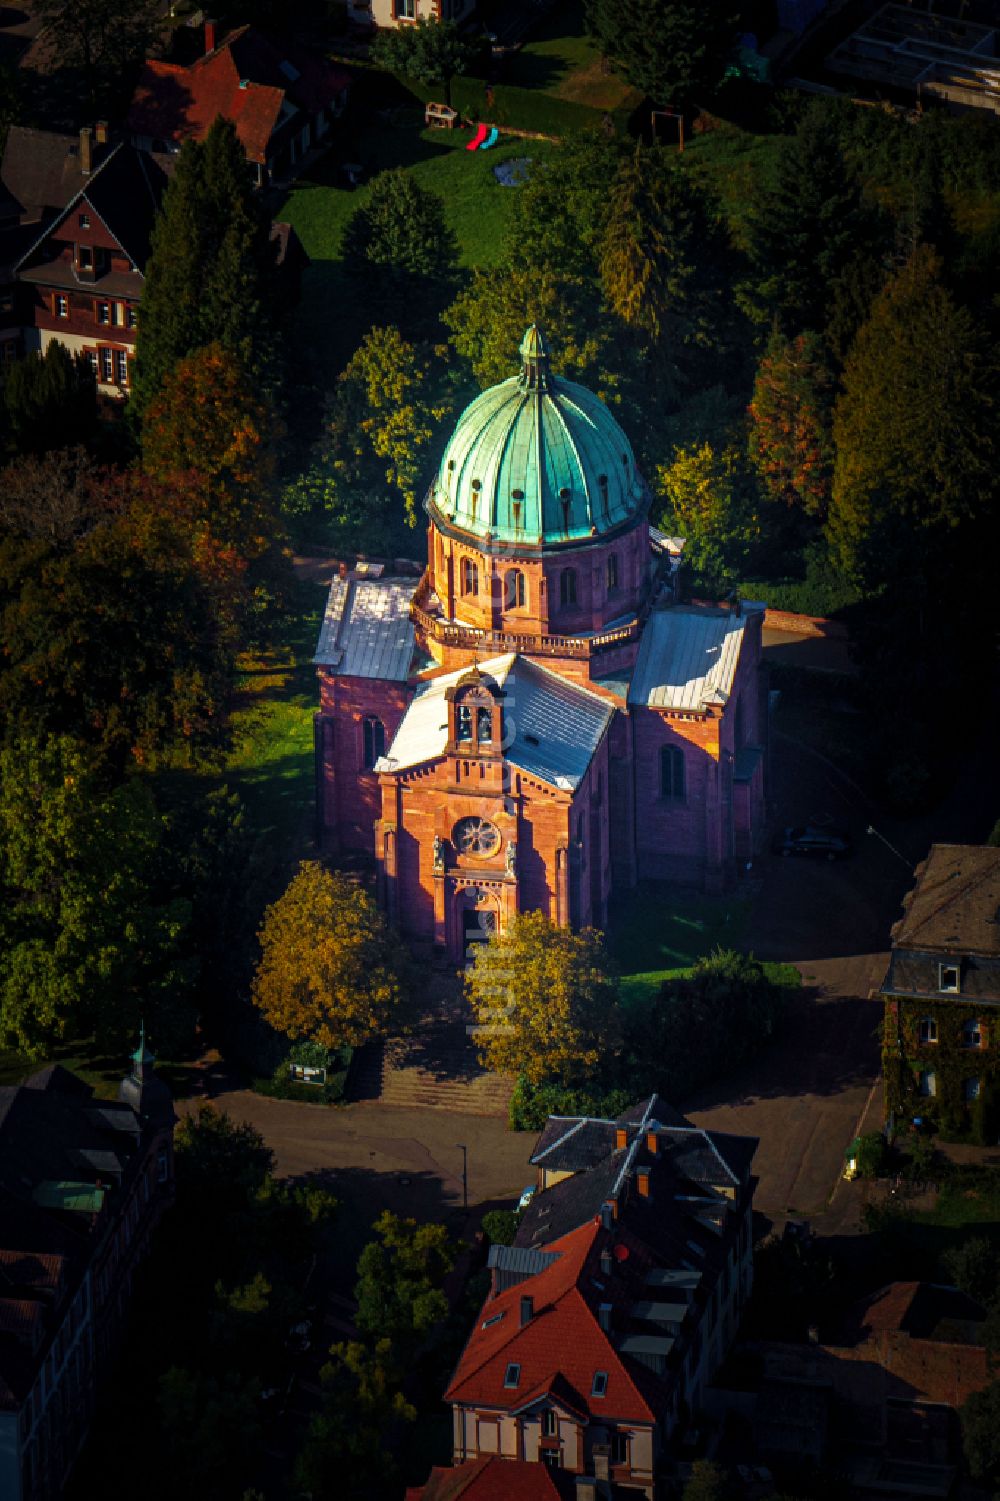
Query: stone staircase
[(435, 1068)]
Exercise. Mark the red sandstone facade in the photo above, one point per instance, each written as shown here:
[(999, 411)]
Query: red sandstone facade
[(528, 727)]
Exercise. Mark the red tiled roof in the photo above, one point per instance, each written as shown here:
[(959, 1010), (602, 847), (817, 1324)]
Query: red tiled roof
[(887, 1308), (490, 1479), (240, 80), (563, 1338)]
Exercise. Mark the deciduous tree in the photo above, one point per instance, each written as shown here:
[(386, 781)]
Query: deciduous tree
[(100, 37), (980, 1418), (399, 248), (675, 51), (430, 52), (330, 969), (709, 500), (350, 1446), (400, 1276), (545, 1001), (791, 423)]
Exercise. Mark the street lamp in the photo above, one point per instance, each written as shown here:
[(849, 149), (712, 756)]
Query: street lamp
[(465, 1173)]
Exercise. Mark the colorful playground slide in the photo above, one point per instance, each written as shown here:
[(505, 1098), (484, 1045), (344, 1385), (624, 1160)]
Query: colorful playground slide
[(490, 140), (478, 139)]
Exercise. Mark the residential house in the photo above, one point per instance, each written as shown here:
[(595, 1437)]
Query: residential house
[(881, 1398), (281, 99), (941, 1044), (83, 1184), (81, 274), (396, 13), (617, 1302), (491, 1480)]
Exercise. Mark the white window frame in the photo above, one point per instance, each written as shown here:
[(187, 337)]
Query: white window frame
[(928, 1030), (121, 367), (107, 367), (927, 1083), (949, 969), (61, 305), (972, 1028)]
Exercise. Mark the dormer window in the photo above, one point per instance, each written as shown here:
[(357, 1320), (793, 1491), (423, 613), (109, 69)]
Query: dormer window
[(512, 1375), (602, 485), (948, 978)]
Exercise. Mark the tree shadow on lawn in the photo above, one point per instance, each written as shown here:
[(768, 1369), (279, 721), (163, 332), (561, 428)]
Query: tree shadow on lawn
[(365, 1193), (821, 1048)]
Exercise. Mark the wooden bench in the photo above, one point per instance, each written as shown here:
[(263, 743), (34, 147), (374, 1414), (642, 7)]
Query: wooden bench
[(440, 114)]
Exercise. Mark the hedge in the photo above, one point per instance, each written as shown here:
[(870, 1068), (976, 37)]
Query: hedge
[(503, 104), (532, 1104)]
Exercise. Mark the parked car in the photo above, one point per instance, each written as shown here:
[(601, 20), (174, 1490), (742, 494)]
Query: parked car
[(825, 844)]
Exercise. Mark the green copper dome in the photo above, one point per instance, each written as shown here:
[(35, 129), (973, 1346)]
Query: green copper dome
[(537, 461)]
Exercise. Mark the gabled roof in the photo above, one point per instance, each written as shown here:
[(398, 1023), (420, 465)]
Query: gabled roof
[(955, 905), (563, 1338), (247, 80), (41, 170), (367, 631), (688, 657), (489, 1479), (557, 724)]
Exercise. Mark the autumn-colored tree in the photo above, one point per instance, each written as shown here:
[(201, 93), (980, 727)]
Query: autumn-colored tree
[(330, 969), (209, 426), (791, 422), (384, 417), (545, 1001), (916, 427), (400, 1276), (710, 501), (351, 1444)]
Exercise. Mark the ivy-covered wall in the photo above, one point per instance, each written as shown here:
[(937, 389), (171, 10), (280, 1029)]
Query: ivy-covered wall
[(904, 1057)]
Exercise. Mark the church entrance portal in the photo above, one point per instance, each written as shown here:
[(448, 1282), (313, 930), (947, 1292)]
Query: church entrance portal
[(478, 926)]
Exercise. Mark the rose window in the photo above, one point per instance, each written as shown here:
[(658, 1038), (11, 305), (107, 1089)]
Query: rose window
[(476, 836)]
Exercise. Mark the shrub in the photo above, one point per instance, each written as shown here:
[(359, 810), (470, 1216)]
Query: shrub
[(336, 1061), (532, 1104), (870, 1154), (500, 1226)]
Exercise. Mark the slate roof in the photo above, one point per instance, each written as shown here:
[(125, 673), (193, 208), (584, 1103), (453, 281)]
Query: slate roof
[(955, 904), (367, 631), (243, 80), (688, 657), (557, 724)]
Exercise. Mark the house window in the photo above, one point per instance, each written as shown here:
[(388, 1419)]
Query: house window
[(104, 312), (550, 1423), (928, 1029), (374, 741), (405, 10), (85, 257), (971, 1090), (516, 592), (599, 1386), (948, 977), (672, 772), (61, 306), (512, 1374), (613, 573), (470, 577), (92, 357), (107, 367), (84, 221), (619, 1448), (131, 317), (118, 314), (552, 1458), (927, 1082), (121, 361), (972, 1033), (567, 586)]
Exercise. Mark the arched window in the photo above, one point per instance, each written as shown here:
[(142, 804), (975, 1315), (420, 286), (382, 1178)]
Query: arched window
[(470, 577), (612, 573), (516, 592), (671, 771), (464, 722), (484, 725), (567, 586), (374, 741)]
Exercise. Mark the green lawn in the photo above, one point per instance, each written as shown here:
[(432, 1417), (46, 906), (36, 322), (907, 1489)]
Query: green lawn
[(659, 930), (560, 59), (329, 324)]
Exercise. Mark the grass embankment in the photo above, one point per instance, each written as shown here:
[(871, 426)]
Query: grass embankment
[(330, 323)]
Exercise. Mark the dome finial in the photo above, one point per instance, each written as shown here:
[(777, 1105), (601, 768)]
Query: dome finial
[(534, 359)]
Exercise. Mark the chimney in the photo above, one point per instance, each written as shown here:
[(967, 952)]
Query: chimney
[(621, 1139), (604, 1316), (527, 1310), (210, 30), (601, 1454), (652, 1142), (813, 1334), (86, 151), (607, 1214), (101, 132), (607, 1263), (586, 1488), (642, 1179)]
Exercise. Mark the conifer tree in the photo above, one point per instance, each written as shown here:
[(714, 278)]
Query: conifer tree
[(210, 274), (673, 50), (791, 415), (50, 400)]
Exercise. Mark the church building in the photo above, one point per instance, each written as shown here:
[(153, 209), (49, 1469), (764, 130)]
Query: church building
[(535, 720)]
